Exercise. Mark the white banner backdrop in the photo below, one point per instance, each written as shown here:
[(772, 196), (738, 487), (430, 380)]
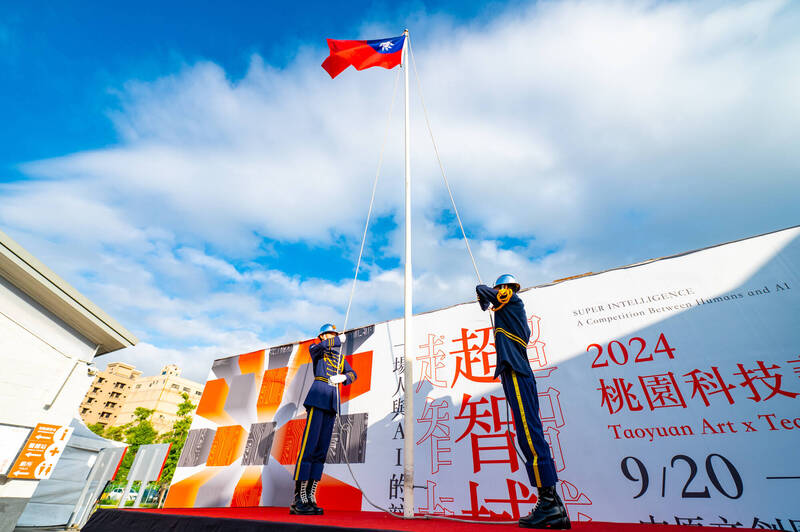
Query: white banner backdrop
[(669, 391)]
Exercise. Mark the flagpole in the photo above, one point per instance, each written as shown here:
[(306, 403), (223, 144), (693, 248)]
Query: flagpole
[(408, 373)]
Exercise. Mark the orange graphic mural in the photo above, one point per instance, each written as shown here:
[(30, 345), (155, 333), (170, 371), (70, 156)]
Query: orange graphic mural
[(248, 489), (271, 392), (241, 424), (183, 494), (333, 493), (252, 362), (362, 365), (287, 441), (302, 356), (212, 402), (228, 445)]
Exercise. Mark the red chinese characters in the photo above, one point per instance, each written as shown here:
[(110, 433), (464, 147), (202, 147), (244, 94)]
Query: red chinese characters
[(470, 355), (617, 395), (706, 383), (501, 508), (662, 391), (763, 375), (432, 363), (483, 422), (435, 505), (437, 432), (552, 418), (496, 447), (796, 364), (536, 352), (474, 413)]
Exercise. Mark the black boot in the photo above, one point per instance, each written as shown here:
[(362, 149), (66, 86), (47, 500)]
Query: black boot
[(311, 495), (300, 504), (549, 512)]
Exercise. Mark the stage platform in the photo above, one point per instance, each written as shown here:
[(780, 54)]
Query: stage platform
[(278, 519)]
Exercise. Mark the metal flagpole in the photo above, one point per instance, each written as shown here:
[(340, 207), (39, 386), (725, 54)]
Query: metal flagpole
[(408, 373)]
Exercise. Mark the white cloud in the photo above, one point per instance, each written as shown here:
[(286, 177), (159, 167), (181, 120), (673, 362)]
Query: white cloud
[(599, 133)]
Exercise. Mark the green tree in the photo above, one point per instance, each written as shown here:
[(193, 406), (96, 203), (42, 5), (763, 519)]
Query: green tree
[(142, 413), (115, 433), (176, 437), (97, 428), (137, 434)]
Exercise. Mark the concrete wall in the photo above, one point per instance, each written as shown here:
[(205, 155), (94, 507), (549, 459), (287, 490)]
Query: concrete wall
[(39, 353)]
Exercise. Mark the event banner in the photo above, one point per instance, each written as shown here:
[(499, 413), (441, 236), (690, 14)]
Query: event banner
[(669, 393)]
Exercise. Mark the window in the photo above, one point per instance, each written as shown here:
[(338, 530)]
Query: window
[(100, 380), (105, 415), (185, 389), (138, 386), (89, 399), (198, 393), (110, 404), (119, 385), (175, 387), (95, 389), (84, 410)]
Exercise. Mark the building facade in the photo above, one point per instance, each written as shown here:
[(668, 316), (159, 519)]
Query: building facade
[(161, 393), (49, 336), (108, 392)]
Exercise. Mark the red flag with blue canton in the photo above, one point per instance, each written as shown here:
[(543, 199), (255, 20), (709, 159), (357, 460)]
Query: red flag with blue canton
[(386, 53)]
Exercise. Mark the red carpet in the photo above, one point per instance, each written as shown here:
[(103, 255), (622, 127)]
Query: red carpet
[(382, 521)]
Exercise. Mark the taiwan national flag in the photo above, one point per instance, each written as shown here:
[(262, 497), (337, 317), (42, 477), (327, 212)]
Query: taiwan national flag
[(386, 53)]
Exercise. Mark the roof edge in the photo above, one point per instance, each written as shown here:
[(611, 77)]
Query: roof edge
[(44, 286)]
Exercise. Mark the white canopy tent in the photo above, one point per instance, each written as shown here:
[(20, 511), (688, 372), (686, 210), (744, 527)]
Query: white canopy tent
[(66, 498)]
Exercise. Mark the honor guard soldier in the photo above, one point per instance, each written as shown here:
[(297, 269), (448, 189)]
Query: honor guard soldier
[(511, 334), (322, 404)]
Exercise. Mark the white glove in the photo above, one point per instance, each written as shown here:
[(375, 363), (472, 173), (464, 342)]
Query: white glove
[(337, 379)]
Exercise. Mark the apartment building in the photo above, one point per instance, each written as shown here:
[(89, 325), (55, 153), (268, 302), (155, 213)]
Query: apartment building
[(161, 393), (108, 392)]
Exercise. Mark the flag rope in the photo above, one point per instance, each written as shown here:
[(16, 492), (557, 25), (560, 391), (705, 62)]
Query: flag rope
[(455, 209), (458, 217), (441, 166), (371, 201), (344, 439)]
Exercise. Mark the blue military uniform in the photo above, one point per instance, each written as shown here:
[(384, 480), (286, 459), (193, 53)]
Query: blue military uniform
[(322, 404), (511, 341)]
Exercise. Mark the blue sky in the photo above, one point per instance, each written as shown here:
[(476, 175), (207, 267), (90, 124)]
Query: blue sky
[(192, 169), (63, 65)]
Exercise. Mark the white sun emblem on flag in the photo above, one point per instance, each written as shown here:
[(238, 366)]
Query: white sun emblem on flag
[(386, 45)]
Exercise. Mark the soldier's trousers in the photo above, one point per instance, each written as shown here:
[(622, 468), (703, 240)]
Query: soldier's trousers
[(523, 399), (315, 443)]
